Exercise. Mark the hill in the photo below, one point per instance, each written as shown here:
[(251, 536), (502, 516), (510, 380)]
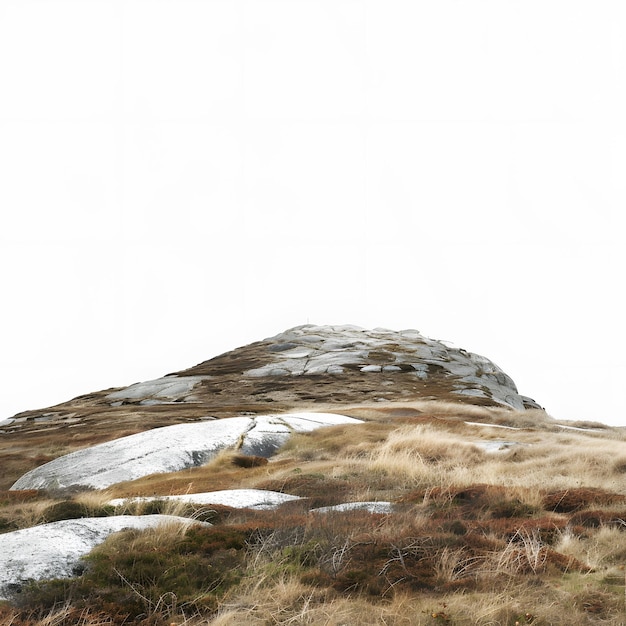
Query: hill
[(328, 475)]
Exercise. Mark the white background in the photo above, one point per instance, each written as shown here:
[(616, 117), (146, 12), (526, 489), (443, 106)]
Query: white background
[(179, 178)]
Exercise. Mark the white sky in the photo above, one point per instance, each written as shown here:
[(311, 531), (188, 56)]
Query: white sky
[(179, 178)]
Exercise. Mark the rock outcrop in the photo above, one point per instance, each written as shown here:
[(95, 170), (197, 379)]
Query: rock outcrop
[(172, 448), (257, 499), (408, 355), (377, 364), (54, 550)]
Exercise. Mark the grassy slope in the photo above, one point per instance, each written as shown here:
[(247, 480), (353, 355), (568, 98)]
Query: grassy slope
[(535, 534)]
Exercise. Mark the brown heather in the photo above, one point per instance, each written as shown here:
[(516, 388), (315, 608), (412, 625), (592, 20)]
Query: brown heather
[(534, 533)]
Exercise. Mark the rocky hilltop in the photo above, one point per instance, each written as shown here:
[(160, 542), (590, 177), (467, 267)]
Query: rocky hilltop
[(329, 474), (308, 367), (315, 364), (344, 364)]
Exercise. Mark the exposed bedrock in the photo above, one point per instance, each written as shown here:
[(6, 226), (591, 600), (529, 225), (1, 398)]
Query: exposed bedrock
[(172, 448)]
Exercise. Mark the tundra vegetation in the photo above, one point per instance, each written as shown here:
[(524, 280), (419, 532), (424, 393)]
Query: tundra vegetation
[(499, 518)]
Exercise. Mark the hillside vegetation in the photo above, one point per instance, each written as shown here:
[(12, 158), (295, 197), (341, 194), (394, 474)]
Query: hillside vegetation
[(499, 517)]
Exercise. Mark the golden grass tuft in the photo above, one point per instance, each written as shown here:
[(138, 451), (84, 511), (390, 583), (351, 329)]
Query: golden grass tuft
[(423, 455), (477, 536)]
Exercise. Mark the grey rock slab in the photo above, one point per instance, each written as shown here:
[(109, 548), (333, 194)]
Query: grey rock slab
[(475, 393), (311, 339), (391, 368), (172, 448), (281, 347), (260, 499), (299, 353), (529, 403), (497, 447), (54, 550), (167, 388), (460, 369), (371, 368), (515, 402), (411, 333), (370, 507)]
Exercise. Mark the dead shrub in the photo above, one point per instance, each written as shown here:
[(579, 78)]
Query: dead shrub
[(546, 528), (597, 602), (18, 496), (595, 518), (471, 502), (571, 500), (563, 563), (246, 461)]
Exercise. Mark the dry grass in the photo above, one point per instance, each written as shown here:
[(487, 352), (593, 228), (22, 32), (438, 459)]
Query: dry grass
[(291, 603), (435, 410), (477, 537), (427, 455), (603, 548), (25, 514), (423, 455), (521, 604), (221, 472)]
